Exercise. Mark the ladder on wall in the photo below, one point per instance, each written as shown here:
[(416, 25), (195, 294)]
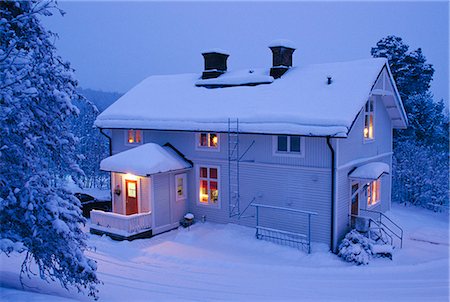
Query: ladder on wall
[(233, 167)]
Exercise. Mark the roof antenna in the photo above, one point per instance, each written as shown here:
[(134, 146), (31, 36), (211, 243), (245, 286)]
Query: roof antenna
[(329, 80)]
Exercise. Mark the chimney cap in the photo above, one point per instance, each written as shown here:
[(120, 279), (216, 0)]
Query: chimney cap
[(282, 43), (216, 50)]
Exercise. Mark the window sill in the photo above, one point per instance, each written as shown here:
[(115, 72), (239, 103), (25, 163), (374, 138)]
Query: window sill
[(289, 154)]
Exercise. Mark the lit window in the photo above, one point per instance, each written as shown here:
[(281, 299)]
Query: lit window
[(289, 144), (134, 137), (373, 192), (180, 183), (208, 140), (208, 185), (368, 120)]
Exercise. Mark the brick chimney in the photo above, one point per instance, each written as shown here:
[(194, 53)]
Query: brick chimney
[(282, 51), (215, 63)]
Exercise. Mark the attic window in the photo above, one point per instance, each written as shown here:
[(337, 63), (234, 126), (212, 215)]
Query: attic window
[(134, 137), (208, 141), (368, 120)]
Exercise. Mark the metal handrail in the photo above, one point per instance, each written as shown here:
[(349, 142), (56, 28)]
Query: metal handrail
[(248, 206), (257, 206), (382, 215)]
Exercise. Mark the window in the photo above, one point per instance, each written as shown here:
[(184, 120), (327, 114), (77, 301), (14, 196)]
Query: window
[(368, 120), (208, 141), (373, 192), (208, 185), (180, 186), (134, 136), (289, 144)]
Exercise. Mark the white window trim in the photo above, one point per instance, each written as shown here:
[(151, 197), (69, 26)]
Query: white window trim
[(369, 140), (377, 202), (219, 187), (183, 176), (125, 137), (275, 151), (210, 149)]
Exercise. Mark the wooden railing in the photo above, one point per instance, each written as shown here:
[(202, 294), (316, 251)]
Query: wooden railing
[(128, 223)]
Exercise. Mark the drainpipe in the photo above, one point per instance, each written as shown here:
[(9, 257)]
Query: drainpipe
[(333, 177), (109, 140)]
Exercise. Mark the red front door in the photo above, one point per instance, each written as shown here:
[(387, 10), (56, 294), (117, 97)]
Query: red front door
[(131, 197)]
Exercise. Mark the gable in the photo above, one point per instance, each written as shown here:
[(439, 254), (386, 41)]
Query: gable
[(385, 87)]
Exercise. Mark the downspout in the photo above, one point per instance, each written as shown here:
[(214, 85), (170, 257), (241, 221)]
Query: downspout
[(109, 139), (333, 177)]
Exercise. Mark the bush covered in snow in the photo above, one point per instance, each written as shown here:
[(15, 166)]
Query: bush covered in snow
[(355, 248)]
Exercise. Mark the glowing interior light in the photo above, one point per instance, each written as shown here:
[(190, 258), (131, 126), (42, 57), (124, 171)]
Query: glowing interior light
[(366, 132), (215, 139), (130, 176)]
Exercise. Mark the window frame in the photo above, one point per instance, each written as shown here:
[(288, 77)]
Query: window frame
[(369, 113), (182, 176), (134, 143), (208, 179), (377, 193), (207, 148), (288, 153)]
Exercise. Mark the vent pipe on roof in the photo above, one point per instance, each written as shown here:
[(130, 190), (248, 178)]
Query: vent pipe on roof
[(282, 51), (215, 63)]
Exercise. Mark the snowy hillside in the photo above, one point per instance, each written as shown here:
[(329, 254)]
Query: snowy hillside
[(213, 262)]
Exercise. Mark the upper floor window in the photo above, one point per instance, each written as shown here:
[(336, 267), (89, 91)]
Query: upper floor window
[(207, 140), (134, 136), (368, 120), (289, 144), (208, 185), (373, 192)]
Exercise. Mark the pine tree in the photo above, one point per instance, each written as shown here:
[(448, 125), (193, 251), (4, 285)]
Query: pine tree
[(410, 71), (420, 164), (39, 217)]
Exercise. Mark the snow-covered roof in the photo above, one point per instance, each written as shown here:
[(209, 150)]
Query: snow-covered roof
[(216, 50), (235, 78), (370, 171), (282, 42), (300, 102), (145, 160)]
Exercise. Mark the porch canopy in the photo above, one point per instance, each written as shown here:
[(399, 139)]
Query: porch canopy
[(145, 160), (370, 171)]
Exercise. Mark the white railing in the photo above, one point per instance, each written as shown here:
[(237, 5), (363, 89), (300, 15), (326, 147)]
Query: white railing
[(128, 223)]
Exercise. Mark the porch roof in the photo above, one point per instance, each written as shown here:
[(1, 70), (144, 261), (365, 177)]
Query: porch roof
[(145, 160), (370, 171)]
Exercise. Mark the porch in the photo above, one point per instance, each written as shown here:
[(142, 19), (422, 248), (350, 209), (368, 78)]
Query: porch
[(121, 227)]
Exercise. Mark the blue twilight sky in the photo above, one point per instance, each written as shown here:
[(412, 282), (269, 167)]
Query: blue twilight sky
[(114, 45)]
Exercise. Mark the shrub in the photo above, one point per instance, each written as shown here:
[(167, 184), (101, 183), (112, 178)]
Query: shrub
[(355, 248)]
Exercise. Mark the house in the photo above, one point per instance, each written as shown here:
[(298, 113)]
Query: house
[(294, 151)]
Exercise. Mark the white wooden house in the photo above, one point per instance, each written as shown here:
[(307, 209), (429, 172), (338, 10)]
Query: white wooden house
[(293, 143)]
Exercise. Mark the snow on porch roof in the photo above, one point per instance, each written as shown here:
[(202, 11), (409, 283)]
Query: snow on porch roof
[(145, 160), (370, 171), (300, 102)]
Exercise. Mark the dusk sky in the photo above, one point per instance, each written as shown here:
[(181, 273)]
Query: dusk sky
[(115, 45)]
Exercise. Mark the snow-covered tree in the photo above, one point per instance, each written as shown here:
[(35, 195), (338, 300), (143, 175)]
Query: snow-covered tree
[(421, 158), (92, 146), (38, 216), (409, 68)]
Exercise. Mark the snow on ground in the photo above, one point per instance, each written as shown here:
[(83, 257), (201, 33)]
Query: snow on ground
[(213, 262), (99, 194)]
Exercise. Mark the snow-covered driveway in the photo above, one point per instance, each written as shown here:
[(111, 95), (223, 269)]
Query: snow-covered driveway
[(213, 262)]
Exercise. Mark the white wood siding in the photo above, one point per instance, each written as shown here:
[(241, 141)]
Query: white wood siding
[(353, 152)]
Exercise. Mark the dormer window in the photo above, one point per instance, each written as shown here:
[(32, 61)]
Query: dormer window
[(368, 120), (134, 137), (207, 141)]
